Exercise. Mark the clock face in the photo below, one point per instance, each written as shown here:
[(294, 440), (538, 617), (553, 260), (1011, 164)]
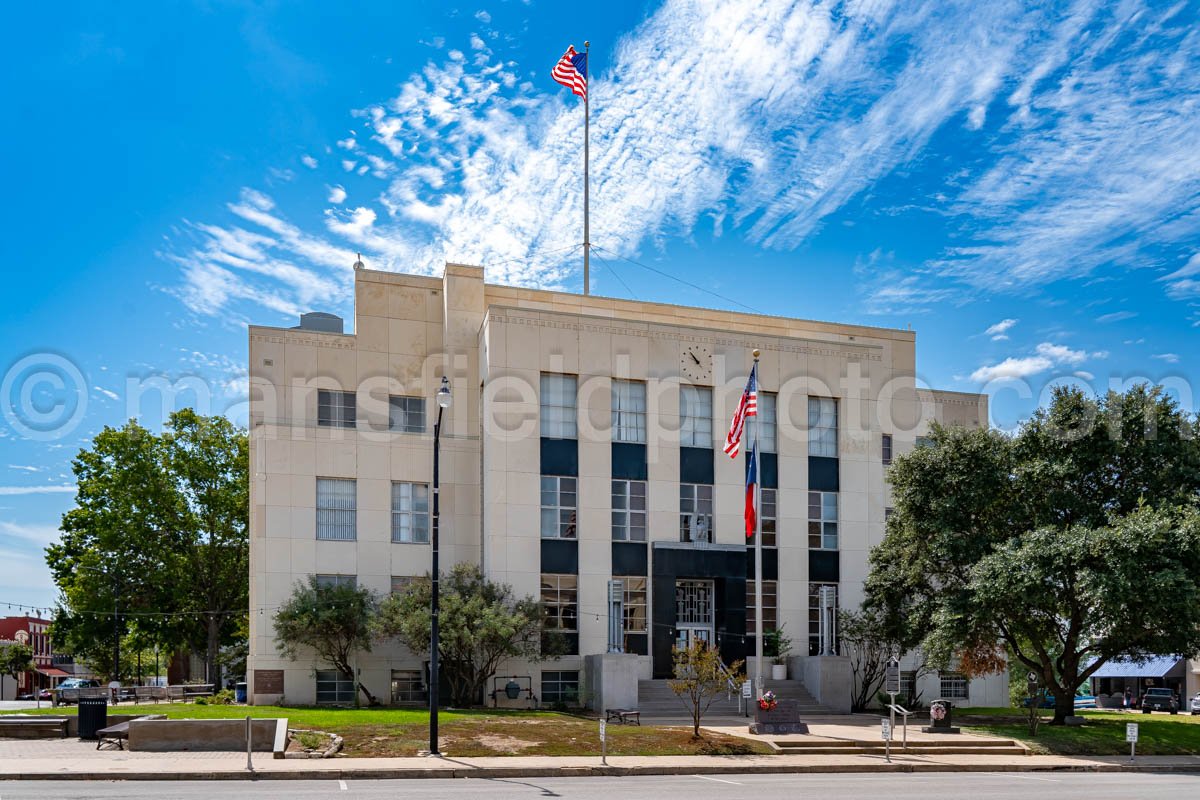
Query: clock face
[(695, 364)]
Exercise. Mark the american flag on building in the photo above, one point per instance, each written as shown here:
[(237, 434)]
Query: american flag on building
[(747, 407), (571, 71)]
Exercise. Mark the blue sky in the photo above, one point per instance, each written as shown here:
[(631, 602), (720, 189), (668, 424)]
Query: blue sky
[(1021, 185)]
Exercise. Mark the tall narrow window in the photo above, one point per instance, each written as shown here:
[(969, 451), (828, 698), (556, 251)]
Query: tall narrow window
[(695, 416), (337, 509), (822, 521), (401, 583), (635, 604), (764, 424), (628, 411), (558, 406), (887, 449), (336, 409), (560, 599), (822, 427), (560, 505), (629, 511), (767, 514), (406, 414), (814, 616), (410, 512), (770, 600), (695, 512)]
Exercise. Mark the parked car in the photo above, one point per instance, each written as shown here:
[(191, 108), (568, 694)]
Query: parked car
[(1081, 701), (1159, 699), (1195, 704), (79, 683)]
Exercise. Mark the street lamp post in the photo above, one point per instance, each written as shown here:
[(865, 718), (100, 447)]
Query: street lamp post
[(443, 402)]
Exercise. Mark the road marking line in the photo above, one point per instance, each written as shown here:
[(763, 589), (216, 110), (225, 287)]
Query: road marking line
[(342, 785), (1022, 777), (718, 780)]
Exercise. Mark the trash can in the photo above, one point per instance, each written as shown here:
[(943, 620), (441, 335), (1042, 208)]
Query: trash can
[(239, 692), (93, 716)]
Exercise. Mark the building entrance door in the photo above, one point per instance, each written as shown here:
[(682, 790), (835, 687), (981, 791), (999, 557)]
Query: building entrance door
[(694, 612)]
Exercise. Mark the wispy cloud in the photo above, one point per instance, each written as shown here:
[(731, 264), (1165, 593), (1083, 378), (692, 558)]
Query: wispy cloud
[(111, 395), (308, 161), (23, 490), (1046, 356), (1116, 316), (1170, 358), (337, 195), (1086, 115), (999, 331)]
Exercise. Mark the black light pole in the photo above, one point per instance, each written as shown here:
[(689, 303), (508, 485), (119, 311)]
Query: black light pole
[(443, 402)]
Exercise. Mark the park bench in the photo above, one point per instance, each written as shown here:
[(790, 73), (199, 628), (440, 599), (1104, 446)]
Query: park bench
[(118, 734), (624, 716), (23, 727), (154, 693)]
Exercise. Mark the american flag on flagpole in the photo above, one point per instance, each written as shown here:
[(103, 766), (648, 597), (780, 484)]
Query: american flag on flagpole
[(571, 71), (747, 407)]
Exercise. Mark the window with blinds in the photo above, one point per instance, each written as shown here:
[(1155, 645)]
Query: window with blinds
[(558, 406), (822, 427), (629, 411), (410, 512), (337, 509), (695, 416)]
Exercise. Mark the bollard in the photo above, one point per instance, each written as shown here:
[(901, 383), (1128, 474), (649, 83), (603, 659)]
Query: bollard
[(249, 746)]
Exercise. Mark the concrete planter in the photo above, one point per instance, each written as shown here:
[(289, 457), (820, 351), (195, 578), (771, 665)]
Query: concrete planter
[(779, 672)]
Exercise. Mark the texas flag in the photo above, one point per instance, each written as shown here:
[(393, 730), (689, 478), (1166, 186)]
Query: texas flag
[(751, 480)]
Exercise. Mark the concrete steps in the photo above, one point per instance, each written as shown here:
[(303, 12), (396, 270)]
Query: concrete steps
[(655, 698), (965, 746)]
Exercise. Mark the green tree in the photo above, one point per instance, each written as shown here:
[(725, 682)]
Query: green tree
[(481, 624), (156, 545), (700, 678), (16, 658), (334, 621), (1070, 543), (868, 645)]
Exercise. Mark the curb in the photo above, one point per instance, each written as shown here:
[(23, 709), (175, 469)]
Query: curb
[(574, 772)]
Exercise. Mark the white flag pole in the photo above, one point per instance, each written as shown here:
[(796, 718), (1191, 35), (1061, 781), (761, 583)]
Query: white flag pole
[(758, 568), (587, 239)]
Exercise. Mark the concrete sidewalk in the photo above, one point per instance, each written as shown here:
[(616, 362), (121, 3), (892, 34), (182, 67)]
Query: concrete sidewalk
[(74, 760)]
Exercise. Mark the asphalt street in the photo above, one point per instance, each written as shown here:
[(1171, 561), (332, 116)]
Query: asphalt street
[(977, 786)]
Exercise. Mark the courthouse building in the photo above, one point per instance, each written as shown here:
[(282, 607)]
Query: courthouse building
[(582, 447)]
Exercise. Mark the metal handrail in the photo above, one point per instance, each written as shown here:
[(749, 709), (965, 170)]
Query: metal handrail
[(730, 684), (904, 713)]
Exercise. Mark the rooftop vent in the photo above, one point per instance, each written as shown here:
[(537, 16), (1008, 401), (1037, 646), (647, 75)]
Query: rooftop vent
[(320, 321)]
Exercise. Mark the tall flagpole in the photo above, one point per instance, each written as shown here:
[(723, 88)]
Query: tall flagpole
[(758, 568), (587, 239)]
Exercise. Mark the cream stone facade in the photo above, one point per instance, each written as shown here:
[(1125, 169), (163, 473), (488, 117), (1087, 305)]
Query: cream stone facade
[(495, 344)]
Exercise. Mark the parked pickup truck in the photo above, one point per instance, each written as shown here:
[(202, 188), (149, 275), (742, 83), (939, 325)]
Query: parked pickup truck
[(1159, 699)]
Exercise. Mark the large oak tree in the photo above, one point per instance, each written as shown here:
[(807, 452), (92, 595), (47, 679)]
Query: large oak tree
[(157, 542), (1070, 543)]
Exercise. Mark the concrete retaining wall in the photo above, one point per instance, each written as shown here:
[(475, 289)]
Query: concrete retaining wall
[(170, 735)]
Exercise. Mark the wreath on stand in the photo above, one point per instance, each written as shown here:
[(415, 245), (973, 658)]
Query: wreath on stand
[(767, 702), (937, 712)]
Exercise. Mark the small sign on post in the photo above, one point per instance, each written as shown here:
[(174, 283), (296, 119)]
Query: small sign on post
[(1131, 736), (885, 732), (747, 696)]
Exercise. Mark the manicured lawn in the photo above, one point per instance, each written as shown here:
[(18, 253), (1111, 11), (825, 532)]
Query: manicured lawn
[(1104, 733), (380, 732)]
